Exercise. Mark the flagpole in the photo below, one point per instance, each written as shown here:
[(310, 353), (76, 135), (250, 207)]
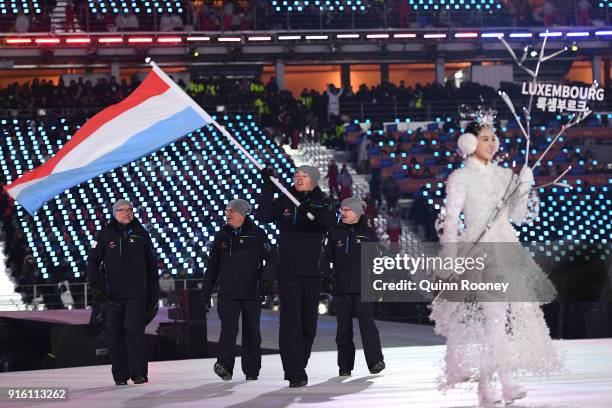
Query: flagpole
[(216, 124)]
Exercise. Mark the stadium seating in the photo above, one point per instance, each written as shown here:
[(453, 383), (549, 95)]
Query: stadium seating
[(604, 4), (13, 7), (464, 5), (35, 12), (136, 6), (581, 214), (135, 15), (414, 156), (331, 5), (179, 192)]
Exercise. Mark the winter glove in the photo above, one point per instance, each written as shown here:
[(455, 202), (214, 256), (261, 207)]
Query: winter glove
[(327, 285), (303, 208), (206, 304), (266, 174), (268, 287), (97, 294), (152, 303), (97, 317), (151, 311), (306, 208)]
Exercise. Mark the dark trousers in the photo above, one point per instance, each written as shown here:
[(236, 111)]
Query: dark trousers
[(347, 307), (229, 311), (299, 298), (125, 337)]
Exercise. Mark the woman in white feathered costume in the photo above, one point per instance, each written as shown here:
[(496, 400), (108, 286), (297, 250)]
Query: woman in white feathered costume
[(488, 338)]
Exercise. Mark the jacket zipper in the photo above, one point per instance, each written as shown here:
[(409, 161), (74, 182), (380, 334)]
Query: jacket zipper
[(234, 235)]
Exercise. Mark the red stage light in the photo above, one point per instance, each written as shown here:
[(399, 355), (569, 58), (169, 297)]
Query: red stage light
[(110, 40), (78, 40), (166, 40), (18, 40), (140, 40), (47, 41)]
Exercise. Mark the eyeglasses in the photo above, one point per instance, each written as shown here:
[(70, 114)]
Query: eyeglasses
[(126, 210)]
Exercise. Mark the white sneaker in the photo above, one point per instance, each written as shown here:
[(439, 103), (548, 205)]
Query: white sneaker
[(488, 396), (513, 392)]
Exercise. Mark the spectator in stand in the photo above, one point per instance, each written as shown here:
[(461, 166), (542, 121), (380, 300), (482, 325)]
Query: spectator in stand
[(132, 21), (391, 191), (394, 230), (127, 21), (228, 15), (402, 8), (208, 18), (548, 13), (332, 180), (295, 138), (120, 21), (166, 22), (524, 13), (177, 22), (362, 155), (584, 13), (42, 21), (22, 24), (375, 188), (370, 210), (333, 101), (245, 20), (167, 288), (444, 18), (69, 22), (346, 183), (272, 85)]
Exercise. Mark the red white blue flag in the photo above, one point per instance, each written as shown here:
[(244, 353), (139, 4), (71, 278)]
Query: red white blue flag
[(157, 113)]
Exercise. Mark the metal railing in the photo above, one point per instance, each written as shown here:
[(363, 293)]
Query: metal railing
[(382, 111), (87, 111), (52, 295), (378, 15), (437, 109)]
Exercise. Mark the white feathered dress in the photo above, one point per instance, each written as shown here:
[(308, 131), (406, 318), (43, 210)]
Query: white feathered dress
[(485, 338)]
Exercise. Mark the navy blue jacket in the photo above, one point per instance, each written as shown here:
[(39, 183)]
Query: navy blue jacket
[(300, 238), (342, 248), (236, 262), (122, 262)]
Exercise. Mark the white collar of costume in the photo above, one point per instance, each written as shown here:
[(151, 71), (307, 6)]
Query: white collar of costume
[(473, 163)]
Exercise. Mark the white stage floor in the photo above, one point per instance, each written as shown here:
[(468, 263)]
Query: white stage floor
[(408, 381)]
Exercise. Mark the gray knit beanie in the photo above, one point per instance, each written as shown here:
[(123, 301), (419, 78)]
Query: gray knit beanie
[(119, 203), (357, 205), (240, 206), (312, 172)]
